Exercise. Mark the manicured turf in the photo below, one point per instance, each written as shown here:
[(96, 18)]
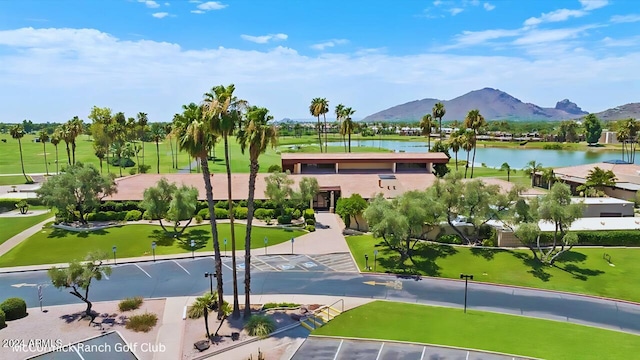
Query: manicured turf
[(12, 180), (481, 330), (58, 246), (582, 270), (13, 225)]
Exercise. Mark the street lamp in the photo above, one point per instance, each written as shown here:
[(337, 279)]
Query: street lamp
[(210, 276), (153, 250), (225, 246), (114, 255), (193, 244), (366, 262), (466, 281), (291, 246), (375, 259)]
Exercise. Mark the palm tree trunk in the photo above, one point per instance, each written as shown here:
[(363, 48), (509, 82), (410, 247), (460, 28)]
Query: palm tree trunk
[(429, 142), (466, 167), (142, 152), (344, 142), (349, 141), (57, 172), (254, 167), (325, 132), (440, 128), (158, 157), (137, 159), (456, 160), (473, 161), (44, 150), (22, 161), (206, 323), (236, 305), (173, 163), (68, 154), (100, 165), (319, 136), (73, 151), (214, 230), (108, 166)]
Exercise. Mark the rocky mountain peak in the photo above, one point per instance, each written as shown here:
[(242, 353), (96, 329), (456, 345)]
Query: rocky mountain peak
[(570, 107)]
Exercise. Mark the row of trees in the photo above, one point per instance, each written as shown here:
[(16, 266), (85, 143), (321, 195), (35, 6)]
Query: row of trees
[(345, 124)]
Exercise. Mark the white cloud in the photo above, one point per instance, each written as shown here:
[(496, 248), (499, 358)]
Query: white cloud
[(469, 38), (555, 16), (150, 3), (627, 42), (593, 4), (552, 35), (488, 6), (455, 11), (211, 5), (96, 68), (160, 15), (167, 4), (329, 44), (625, 18), (197, 12), (438, 3), (263, 39)]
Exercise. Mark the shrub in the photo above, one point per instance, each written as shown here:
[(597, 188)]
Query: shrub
[(2, 319), (284, 219), (144, 168), (111, 215), (243, 203), (198, 219), (100, 216), (23, 206), (310, 228), (269, 204), (449, 239), (279, 305), (121, 215), (129, 304), (144, 322), (204, 213), (201, 205), (133, 215), (275, 168), (14, 308), (91, 217), (221, 213), (119, 207), (240, 212), (554, 146), (296, 214), (488, 243), (222, 204), (602, 238), (263, 214), (108, 206), (146, 216), (260, 325), (131, 205), (258, 204), (310, 222), (132, 171), (309, 214)]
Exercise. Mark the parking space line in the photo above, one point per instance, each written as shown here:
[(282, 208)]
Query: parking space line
[(269, 265), (338, 351), (182, 267), (467, 355), (380, 352), (78, 352), (141, 269), (227, 266), (424, 348), (323, 264)]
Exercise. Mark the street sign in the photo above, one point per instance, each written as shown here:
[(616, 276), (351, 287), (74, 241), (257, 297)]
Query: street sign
[(265, 241), (225, 242), (193, 243), (40, 296), (375, 253), (153, 245), (114, 249)]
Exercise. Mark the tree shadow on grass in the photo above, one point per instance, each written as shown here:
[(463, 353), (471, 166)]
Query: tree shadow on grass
[(199, 236), (423, 259), (86, 234), (579, 273), (58, 233), (537, 268), (571, 257), (162, 238), (487, 254)]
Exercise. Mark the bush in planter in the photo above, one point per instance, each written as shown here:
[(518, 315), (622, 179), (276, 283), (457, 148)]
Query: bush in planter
[(198, 219), (2, 319), (143, 322), (204, 214), (14, 308), (296, 214), (243, 203), (284, 219), (310, 228), (310, 222), (260, 325), (146, 216), (221, 213), (309, 214), (240, 212), (129, 304), (262, 214), (133, 215)]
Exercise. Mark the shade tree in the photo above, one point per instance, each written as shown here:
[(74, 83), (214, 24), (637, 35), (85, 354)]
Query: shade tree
[(351, 207)]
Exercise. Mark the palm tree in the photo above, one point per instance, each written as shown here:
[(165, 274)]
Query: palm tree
[(168, 129), (225, 113), (55, 140), (438, 112), (548, 176), (66, 134), (339, 110), (532, 168), (257, 135), (44, 137), (157, 134), (142, 128), (100, 151), (325, 109), (506, 167), (455, 143), (201, 307), (316, 109), (474, 121), (75, 129), (348, 126), (426, 124), (468, 143), (195, 138), (17, 132), (598, 179)]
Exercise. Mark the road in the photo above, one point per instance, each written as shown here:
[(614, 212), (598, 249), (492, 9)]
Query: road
[(296, 275)]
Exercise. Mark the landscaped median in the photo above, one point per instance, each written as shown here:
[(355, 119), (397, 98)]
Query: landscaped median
[(582, 270), (52, 246), (481, 330)]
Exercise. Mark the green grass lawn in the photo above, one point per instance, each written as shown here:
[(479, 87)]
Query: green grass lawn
[(12, 180), (580, 271), (13, 225), (481, 330), (58, 246)]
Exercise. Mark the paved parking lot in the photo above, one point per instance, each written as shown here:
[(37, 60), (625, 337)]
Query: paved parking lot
[(317, 348), (104, 347)]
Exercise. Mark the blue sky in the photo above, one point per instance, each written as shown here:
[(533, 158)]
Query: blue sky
[(59, 58)]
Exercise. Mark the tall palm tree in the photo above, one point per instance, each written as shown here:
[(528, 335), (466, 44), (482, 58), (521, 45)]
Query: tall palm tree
[(339, 111), (195, 138), (17, 132), (348, 126), (55, 140), (325, 109), (157, 134), (65, 134), (474, 121), (425, 125), (506, 167), (532, 168), (44, 137), (316, 109), (225, 113), (257, 135), (438, 112), (455, 143), (100, 152), (548, 176), (168, 129), (142, 127), (75, 129), (468, 143)]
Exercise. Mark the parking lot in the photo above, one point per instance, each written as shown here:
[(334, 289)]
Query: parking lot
[(103, 347), (320, 348)]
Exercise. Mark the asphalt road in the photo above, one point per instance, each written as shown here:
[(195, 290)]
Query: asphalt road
[(186, 277)]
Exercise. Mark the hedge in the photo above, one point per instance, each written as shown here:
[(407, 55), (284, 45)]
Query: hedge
[(262, 214), (603, 238), (240, 213), (204, 213), (14, 308), (10, 204), (221, 213), (310, 228), (310, 222), (133, 215), (284, 219)]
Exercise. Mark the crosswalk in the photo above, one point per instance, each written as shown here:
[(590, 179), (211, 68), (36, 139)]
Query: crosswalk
[(339, 262)]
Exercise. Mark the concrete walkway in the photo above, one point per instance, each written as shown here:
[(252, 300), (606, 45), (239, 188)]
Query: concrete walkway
[(171, 331), (16, 213)]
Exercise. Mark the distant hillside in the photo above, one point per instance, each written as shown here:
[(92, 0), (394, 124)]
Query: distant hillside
[(493, 105), (631, 110)]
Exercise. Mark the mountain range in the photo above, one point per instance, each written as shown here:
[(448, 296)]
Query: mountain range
[(497, 105)]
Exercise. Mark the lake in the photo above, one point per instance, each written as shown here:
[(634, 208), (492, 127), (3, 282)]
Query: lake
[(494, 157)]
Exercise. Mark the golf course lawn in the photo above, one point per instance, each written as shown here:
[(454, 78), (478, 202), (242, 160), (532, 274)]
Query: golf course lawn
[(13, 225), (583, 270), (58, 246), (511, 334), (12, 180)]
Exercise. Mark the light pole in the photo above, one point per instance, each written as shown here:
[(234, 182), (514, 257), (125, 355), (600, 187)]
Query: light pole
[(265, 245), (291, 246), (114, 255), (466, 282), (375, 259), (366, 262), (225, 246), (193, 244), (210, 276), (153, 250)]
